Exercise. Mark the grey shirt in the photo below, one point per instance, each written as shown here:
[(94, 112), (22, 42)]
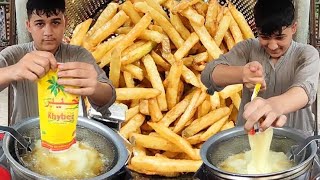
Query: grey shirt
[(298, 67), (25, 91)]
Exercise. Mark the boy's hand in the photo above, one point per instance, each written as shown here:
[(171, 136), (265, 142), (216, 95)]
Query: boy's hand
[(34, 65), (78, 74), (253, 74), (263, 109)]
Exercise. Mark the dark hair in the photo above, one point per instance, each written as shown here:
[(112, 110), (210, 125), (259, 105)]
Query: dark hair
[(45, 7), (272, 15)]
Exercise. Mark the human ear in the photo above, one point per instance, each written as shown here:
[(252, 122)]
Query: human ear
[(28, 25)]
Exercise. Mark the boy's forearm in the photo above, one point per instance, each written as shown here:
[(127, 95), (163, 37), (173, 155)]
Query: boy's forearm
[(224, 75), (102, 95), (292, 100), (6, 77)]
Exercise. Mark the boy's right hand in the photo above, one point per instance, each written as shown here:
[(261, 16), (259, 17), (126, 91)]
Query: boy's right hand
[(252, 74), (34, 65)]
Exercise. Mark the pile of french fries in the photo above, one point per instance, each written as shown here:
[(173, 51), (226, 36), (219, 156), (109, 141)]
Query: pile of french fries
[(155, 60)]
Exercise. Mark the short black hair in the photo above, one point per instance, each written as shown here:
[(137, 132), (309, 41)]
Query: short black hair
[(272, 15), (45, 7)]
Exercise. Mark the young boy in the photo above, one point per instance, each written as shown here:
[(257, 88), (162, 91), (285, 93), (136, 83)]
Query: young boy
[(22, 65), (288, 71)]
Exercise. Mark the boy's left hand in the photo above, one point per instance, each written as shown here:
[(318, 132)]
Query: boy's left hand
[(261, 108), (78, 74)]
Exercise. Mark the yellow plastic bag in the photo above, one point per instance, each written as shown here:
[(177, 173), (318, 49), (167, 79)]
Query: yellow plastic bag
[(58, 111)]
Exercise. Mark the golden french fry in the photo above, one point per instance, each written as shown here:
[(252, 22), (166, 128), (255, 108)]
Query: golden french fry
[(162, 21), (201, 7), (160, 61), (115, 64), (187, 61), (234, 115), (136, 93), (154, 110), (215, 100), (236, 100), (105, 16), (138, 53), (148, 35), (173, 86), (223, 48), (159, 164), (180, 91), (222, 29), (204, 108), (228, 39), (131, 112), (128, 8), (128, 78), (187, 45), (104, 47), (157, 7), (144, 107), (132, 47), (179, 26), (201, 57), (228, 125), (182, 5), (243, 24), (205, 121), (195, 139), (175, 139), (189, 112), (139, 150), (229, 90), (155, 80), (171, 155), (134, 103), (153, 142), (207, 40), (79, 32), (234, 29), (141, 170), (135, 71), (193, 16), (104, 31), (213, 129), (134, 124)]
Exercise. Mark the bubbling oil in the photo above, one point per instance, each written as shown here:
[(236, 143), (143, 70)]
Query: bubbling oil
[(238, 163), (78, 162)]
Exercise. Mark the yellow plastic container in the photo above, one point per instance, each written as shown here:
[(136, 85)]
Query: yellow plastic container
[(58, 111)]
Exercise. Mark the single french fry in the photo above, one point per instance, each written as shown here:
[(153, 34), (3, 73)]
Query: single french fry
[(154, 110), (228, 125), (115, 64), (242, 23), (214, 128), (187, 61), (229, 90), (105, 16), (134, 124), (153, 142), (193, 16), (189, 112), (182, 5), (141, 170), (195, 139), (128, 8), (134, 103), (162, 21), (201, 7), (144, 107), (135, 71), (148, 35), (156, 28), (128, 78), (160, 61), (205, 121), (180, 91), (132, 47), (175, 139), (157, 7), (79, 32), (228, 39), (138, 53), (131, 112), (222, 29), (187, 45), (234, 115), (201, 58), (138, 150), (204, 108), (160, 164), (172, 87), (234, 29), (207, 40), (104, 47), (236, 100), (176, 111), (179, 26), (211, 17), (136, 93), (155, 80), (104, 31), (215, 100)]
